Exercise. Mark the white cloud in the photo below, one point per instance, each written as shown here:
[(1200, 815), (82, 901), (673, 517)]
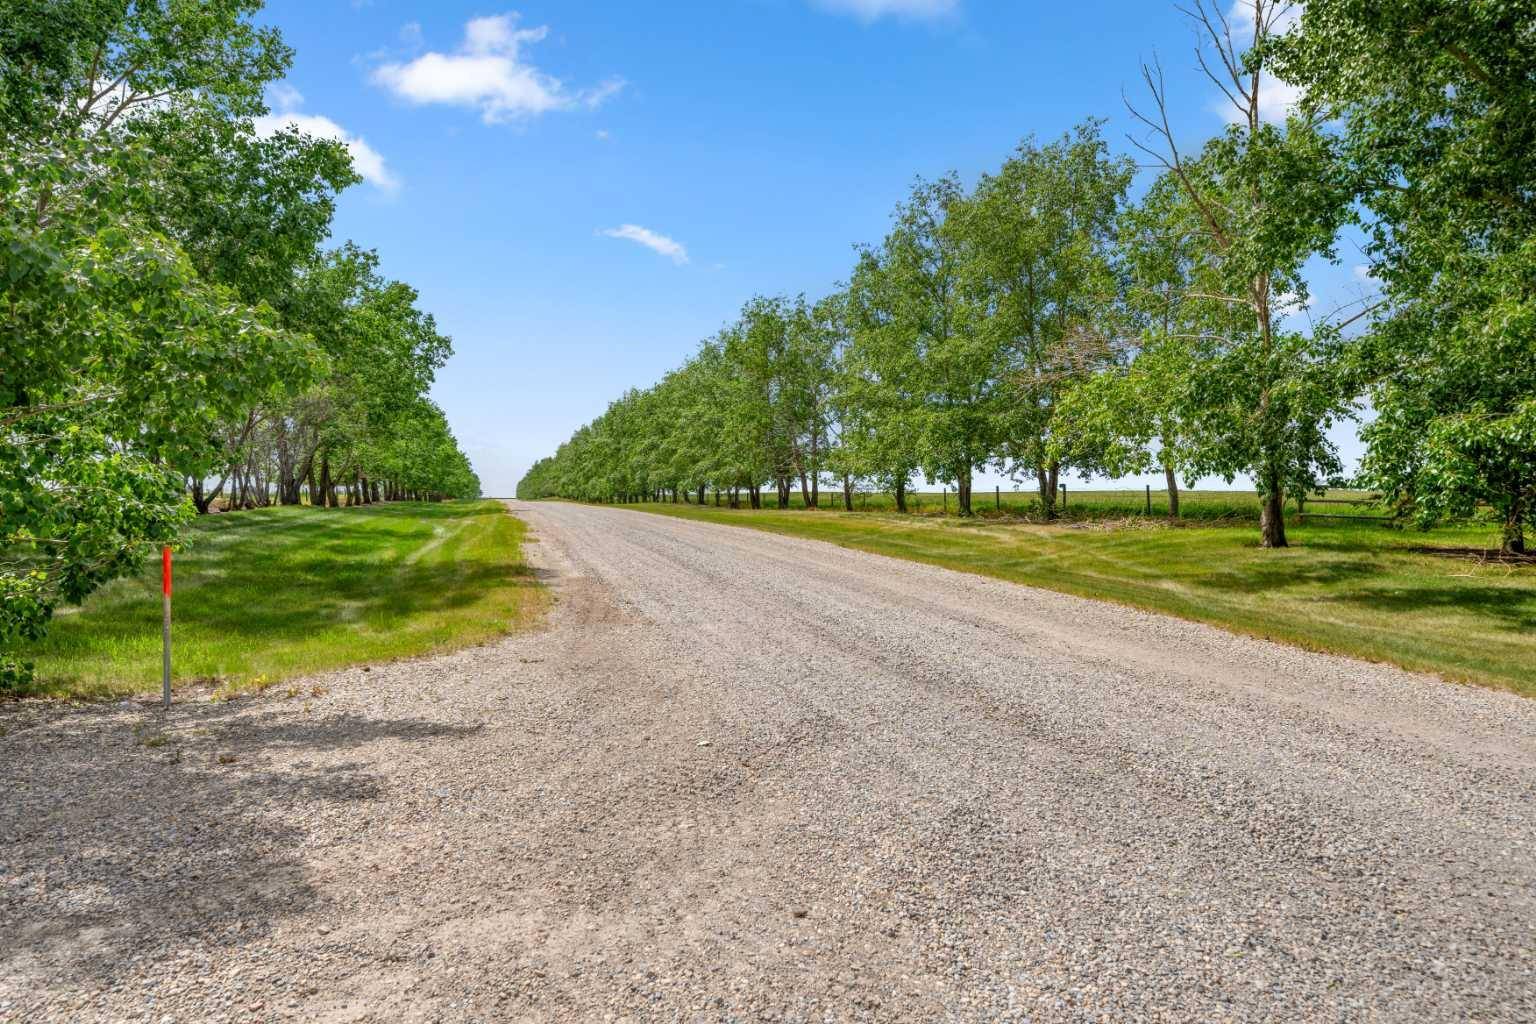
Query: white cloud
[(871, 10), (489, 74), (657, 243), (1363, 273), (1290, 302), (285, 101), (282, 96)]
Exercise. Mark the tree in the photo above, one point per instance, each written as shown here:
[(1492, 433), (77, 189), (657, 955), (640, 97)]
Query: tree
[(1258, 202), (117, 359), (1436, 105), (1040, 286), (1140, 412), (78, 69), (161, 306), (930, 378), (880, 396)]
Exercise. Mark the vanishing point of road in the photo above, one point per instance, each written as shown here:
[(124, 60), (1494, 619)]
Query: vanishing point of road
[(741, 777)]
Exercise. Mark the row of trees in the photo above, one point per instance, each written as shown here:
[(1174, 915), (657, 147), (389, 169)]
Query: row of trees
[(174, 331), (1039, 321)]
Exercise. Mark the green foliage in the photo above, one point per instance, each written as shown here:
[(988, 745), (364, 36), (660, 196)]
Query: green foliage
[(82, 66), (1437, 108), (1042, 286), (117, 360), (158, 320)]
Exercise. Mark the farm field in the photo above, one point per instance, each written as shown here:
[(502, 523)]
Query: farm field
[(266, 594), (1424, 601)]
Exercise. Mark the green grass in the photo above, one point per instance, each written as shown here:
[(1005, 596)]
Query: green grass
[(1352, 588), (272, 593)]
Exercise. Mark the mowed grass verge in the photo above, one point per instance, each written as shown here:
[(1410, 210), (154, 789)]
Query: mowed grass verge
[(1350, 588), (272, 593)]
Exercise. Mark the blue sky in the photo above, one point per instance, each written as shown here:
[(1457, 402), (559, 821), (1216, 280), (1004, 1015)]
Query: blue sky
[(583, 190)]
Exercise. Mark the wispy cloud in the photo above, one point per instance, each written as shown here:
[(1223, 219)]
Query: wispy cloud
[(286, 102), (872, 10), (489, 73), (652, 240)]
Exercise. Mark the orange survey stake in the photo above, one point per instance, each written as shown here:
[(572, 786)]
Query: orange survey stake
[(165, 570)]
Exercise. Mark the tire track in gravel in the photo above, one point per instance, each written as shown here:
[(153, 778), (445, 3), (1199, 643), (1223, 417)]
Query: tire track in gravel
[(740, 777)]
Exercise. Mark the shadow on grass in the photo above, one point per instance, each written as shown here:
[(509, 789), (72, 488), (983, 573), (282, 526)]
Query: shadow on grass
[(1258, 577), (123, 847), (288, 575), (1511, 609), (340, 597)]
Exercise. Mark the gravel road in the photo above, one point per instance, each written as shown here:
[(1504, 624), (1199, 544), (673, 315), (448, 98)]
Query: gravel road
[(739, 777)]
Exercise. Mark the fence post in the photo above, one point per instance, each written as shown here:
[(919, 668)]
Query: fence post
[(946, 501), (1063, 495), (1149, 499), (999, 497), (165, 628)]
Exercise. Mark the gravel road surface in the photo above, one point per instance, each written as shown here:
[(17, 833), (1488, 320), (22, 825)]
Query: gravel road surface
[(739, 777)]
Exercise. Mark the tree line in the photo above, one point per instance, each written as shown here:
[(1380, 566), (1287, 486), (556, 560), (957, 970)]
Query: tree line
[(1040, 321), (176, 330)]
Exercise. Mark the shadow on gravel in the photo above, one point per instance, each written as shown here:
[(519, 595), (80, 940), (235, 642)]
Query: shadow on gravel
[(130, 835)]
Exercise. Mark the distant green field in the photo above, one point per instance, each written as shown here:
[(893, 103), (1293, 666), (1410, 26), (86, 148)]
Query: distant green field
[(272, 593), (1431, 601)]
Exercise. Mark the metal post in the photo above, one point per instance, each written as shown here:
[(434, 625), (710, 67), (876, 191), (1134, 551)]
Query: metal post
[(165, 629), (946, 501), (1149, 499), (999, 497)]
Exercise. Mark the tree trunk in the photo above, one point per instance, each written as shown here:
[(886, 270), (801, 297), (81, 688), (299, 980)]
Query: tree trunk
[(755, 495), (963, 492), (815, 490), (1047, 485), (1272, 518), (201, 500), (805, 491), (1514, 528), (901, 496), (1173, 491), (847, 493), (327, 492)]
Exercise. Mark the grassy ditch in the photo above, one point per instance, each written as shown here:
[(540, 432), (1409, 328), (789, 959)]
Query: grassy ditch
[(272, 593)]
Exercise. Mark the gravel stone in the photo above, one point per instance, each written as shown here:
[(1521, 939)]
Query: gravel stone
[(924, 796)]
